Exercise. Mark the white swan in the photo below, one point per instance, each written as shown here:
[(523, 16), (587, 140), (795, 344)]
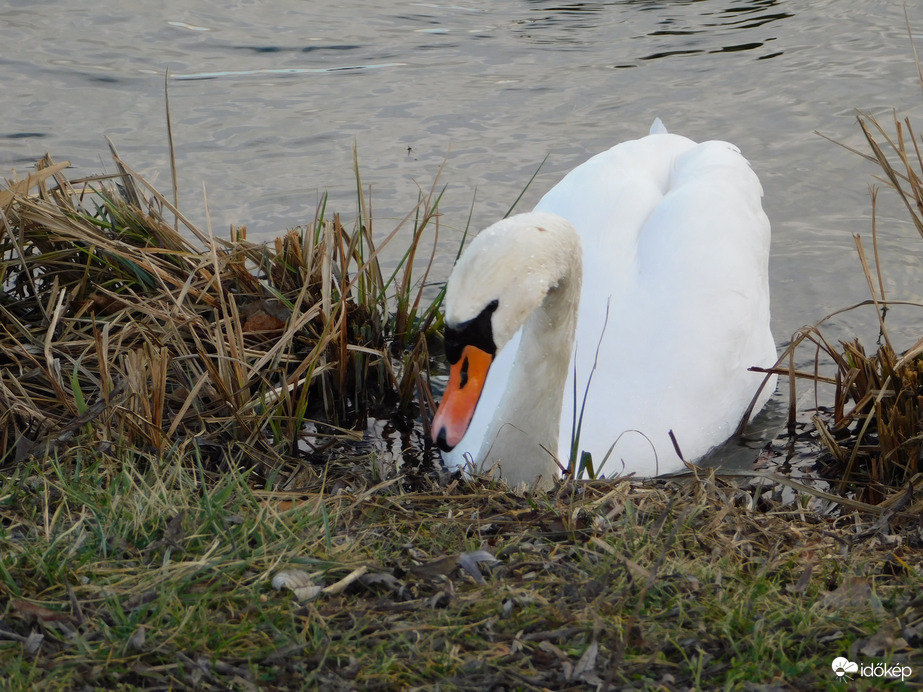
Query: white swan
[(673, 310)]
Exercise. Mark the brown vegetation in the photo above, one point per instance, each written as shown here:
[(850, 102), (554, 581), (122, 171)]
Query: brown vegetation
[(121, 330)]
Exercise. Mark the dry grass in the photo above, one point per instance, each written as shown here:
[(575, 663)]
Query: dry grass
[(118, 329), (873, 431)]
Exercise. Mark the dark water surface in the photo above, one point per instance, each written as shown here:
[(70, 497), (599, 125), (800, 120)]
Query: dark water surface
[(268, 100)]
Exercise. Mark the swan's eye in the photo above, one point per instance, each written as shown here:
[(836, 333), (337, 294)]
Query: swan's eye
[(463, 378), (453, 345), (476, 332)]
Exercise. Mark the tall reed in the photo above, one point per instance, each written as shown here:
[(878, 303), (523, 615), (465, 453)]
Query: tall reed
[(118, 327)]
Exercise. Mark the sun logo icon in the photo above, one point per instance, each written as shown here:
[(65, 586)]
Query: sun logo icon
[(841, 666)]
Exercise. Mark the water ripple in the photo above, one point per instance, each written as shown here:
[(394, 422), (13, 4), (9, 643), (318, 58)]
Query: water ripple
[(282, 70)]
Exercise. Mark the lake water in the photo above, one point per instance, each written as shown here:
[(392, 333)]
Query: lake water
[(269, 99)]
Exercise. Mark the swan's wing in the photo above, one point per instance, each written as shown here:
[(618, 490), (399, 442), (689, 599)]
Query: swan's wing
[(675, 299), (608, 199), (703, 277)]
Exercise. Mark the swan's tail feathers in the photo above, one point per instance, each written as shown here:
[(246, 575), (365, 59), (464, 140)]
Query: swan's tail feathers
[(658, 128)]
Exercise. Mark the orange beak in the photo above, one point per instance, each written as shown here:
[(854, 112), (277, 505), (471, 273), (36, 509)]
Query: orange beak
[(466, 381)]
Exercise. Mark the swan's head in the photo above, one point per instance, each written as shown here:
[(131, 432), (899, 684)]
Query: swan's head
[(503, 276)]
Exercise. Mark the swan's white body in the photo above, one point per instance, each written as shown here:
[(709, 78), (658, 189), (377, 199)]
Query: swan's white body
[(673, 310)]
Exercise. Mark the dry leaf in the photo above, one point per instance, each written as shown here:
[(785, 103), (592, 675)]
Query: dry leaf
[(550, 648), (507, 609), (469, 562), (27, 610), (300, 582), (385, 579), (33, 643), (852, 593), (136, 641), (587, 663), (261, 322), (803, 581), (436, 568), (882, 643)]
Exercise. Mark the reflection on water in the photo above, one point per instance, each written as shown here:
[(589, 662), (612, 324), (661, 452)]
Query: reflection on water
[(691, 27), (281, 71)]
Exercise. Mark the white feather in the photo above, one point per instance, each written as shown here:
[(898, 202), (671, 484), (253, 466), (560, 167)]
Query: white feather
[(675, 300)]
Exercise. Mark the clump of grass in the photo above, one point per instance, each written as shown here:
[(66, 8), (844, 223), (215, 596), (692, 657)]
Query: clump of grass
[(118, 329), (873, 432)]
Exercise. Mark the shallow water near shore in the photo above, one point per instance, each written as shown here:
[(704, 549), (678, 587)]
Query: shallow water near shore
[(267, 103)]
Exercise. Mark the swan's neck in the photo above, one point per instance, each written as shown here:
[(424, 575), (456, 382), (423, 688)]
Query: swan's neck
[(523, 436)]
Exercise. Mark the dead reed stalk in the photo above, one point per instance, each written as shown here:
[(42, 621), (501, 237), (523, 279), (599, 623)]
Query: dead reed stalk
[(118, 329), (873, 433)]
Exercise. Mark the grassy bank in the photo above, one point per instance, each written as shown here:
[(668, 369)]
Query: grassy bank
[(182, 504), (120, 576)]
